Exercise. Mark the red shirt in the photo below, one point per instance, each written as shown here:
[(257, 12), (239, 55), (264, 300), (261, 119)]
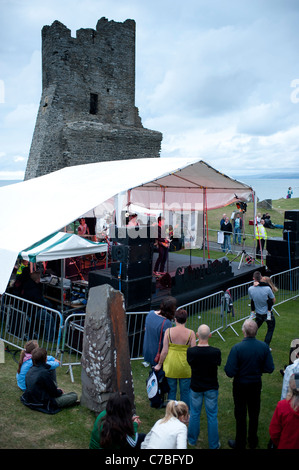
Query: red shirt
[(284, 426)]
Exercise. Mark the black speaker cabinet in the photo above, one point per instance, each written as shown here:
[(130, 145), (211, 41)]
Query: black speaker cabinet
[(280, 247), (135, 291), (132, 254), (292, 215), (292, 225), (288, 235), (132, 270), (279, 263)]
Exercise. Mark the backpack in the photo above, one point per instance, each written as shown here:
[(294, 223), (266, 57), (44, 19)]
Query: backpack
[(156, 387)]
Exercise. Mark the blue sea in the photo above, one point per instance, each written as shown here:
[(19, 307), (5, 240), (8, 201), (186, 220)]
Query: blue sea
[(271, 188), (265, 188)]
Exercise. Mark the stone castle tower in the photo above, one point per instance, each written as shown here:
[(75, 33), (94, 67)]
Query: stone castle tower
[(87, 110)]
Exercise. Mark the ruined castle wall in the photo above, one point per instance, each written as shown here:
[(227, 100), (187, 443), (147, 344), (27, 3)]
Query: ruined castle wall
[(87, 111)]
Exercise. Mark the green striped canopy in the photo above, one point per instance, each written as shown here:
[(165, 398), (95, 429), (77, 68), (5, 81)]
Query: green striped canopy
[(61, 245)]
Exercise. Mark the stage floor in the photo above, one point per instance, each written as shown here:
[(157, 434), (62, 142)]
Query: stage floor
[(223, 275), (240, 273)]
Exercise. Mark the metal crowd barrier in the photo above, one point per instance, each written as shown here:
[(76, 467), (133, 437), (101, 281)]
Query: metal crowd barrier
[(208, 310), (22, 320), (287, 283)]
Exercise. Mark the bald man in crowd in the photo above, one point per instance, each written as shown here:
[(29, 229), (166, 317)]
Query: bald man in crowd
[(204, 361)]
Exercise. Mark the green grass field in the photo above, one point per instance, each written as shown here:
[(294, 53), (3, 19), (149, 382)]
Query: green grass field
[(22, 428)]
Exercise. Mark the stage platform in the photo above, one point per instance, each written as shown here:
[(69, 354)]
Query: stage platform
[(188, 278), (220, 278)]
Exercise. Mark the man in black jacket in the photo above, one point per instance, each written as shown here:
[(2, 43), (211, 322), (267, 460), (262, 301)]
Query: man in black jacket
[(41, 392), (246, 363)]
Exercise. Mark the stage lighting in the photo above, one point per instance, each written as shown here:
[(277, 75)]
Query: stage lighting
[(242, 206)]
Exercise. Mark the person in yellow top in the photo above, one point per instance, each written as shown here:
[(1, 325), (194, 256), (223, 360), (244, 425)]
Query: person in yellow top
[(261, 237), (174, 356)]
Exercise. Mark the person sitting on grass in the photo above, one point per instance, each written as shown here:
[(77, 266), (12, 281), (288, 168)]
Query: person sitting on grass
[(25, 363), (41, 392), (116, 427)]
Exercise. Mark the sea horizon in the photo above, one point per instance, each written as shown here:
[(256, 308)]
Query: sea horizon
[(265, 187)]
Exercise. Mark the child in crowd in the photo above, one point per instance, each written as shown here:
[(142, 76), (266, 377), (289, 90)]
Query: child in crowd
[(25, 363), (169, 432)]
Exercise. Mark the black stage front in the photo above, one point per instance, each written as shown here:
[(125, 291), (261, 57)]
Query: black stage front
[(232, 274), (188, 278)]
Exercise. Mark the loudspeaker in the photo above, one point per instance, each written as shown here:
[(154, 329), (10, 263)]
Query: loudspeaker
[(280, 263), (280, 247), (119, 253), (288, 235), (132, 270), (292, 215), (132, 262), (292, 225), (136, 291), (132, 254)]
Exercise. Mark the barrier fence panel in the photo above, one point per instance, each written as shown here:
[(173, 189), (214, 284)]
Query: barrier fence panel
[(73, 332), (208, 310), (22, 320), (237, 305), (72, 341), (136, 328), (287, 283)]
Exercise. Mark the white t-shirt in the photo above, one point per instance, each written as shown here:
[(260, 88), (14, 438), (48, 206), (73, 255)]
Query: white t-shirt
[(171, 434)]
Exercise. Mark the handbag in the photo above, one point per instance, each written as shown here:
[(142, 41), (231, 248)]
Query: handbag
[(157, 357)]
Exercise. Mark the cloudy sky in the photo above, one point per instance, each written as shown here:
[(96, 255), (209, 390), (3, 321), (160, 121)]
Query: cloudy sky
[(219, 78)]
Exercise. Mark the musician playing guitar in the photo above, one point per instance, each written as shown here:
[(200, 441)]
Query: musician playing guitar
[(163, 245)]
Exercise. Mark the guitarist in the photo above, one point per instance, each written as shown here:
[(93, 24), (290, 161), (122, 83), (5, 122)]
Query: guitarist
[(163, 246)]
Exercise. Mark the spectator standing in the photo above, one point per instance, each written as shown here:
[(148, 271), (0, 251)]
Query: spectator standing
[(227, 228), (261, 237), (204, 361), (284, 425), (260, 295), (156, 322), (238, 223), (289, 371), (246, 363), (173, 357)]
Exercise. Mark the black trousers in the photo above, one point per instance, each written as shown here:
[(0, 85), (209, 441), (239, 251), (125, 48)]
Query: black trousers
[(162, 258), (247, 400), (270, 326)]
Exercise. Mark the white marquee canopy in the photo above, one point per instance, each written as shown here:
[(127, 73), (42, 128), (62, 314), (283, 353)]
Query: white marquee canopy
[(36, 208)]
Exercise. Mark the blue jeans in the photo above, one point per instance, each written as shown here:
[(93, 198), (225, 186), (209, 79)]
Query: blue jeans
[(210, 398), (184, 389), (237, 235), (226, 245)]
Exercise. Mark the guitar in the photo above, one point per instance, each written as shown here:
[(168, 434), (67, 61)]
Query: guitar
[(166, 243)]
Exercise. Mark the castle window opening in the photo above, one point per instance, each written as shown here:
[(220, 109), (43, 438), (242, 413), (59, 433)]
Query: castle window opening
[(93, 106)]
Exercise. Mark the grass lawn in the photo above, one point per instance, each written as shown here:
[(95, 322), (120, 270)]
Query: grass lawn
[(22, 428)]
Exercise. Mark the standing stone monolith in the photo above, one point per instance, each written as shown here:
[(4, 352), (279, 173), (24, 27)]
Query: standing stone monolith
[(106, 366)]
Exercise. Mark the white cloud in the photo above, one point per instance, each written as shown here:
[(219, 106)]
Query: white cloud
[(214, 77)]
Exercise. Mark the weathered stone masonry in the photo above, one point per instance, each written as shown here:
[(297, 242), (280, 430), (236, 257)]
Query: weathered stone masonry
[(87, 111)]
